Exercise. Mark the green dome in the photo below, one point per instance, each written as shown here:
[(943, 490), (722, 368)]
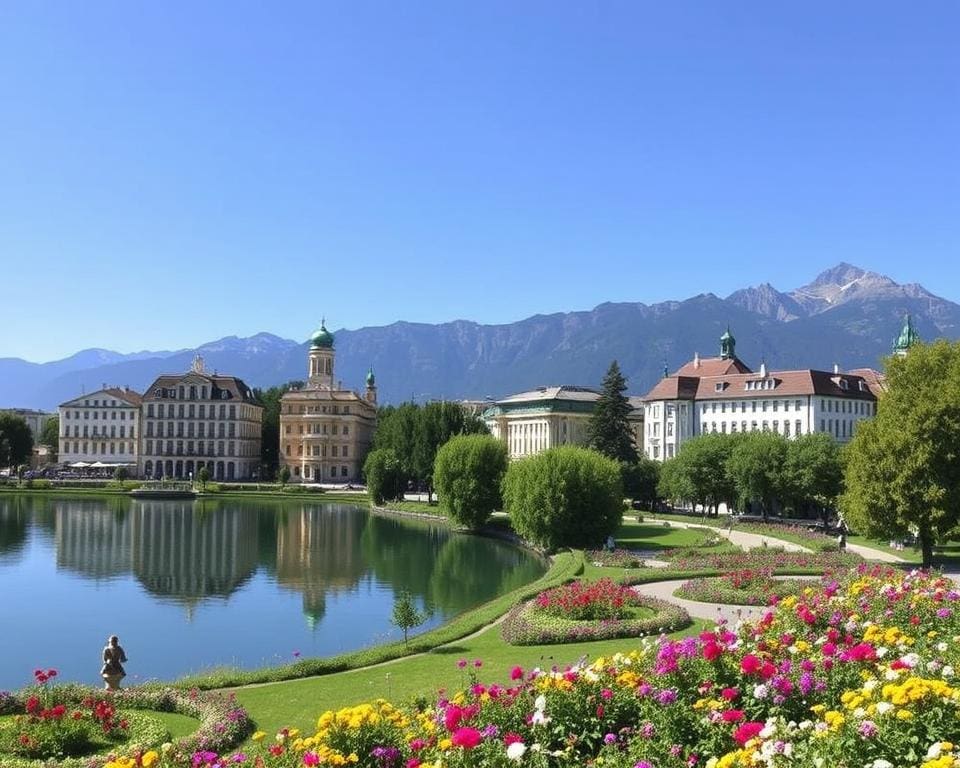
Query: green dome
[(322, 339), (371, 379)]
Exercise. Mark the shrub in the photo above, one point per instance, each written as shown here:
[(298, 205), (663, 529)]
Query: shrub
[(467, 474), (564, 497), (383, 474)]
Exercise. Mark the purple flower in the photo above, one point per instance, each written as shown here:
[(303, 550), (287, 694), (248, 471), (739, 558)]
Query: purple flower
[(867, 729), (667, 696), (610, 738)]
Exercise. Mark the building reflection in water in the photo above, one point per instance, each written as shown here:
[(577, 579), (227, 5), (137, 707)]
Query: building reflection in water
[(187, 553), (318, 552), (92, 538), (13, 529)]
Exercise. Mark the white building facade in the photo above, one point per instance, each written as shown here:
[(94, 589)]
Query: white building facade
[(102, 426), (723, 395)]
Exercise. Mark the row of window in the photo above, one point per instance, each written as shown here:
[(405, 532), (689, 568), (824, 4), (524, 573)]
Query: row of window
[(102, 449), (228, 429), (752, 426), (71, 415), (848, 406), (197, 448), (192, 411), (106, 403), (96, 432), (318, 475), (190, 392), (318, 429), (345, 410), (320, 450)]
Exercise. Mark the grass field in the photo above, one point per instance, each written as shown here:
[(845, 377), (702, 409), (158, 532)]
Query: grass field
[(298, 702)]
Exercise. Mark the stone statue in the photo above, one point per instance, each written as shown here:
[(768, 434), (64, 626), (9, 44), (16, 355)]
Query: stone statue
[(113, 657)]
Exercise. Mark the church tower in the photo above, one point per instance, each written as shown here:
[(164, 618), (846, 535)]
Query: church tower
[(728, 345), (371, 394), (907, 338), (320, 359)]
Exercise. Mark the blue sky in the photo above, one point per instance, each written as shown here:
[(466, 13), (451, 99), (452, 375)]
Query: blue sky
[(177, 172)]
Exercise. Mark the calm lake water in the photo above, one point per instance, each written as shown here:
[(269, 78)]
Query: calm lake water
[(192, 585)]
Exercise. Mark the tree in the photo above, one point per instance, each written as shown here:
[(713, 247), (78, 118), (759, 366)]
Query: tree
[(383, 475), (609, 429), (674, 483), (416, 432), (270, 426), (903, 466), (405, 614), (702, 460), (756, 469), (812, 471), (204, 477), (468, 472), (120, 474), (640, 481), (16, 442), (50, 436), (284, 475), (564, 497)]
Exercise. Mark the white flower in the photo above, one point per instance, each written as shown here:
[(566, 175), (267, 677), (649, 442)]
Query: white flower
[(539, 718), (760, 691), (881, 763), (947, 671), (516, 750), (881, 652), (767, 731), (891, 674), (883, 707), (540, 702), (870, 685), (942, 647), (933, 666), (934, 750), (911, 660), (859, 712)]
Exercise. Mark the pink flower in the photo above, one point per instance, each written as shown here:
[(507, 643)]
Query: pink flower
[(310, 758), (516, 673), (467, 738), (747, 731)]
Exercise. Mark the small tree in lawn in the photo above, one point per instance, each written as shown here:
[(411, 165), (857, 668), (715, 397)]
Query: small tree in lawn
[(284, 475), (405, 614), (203, 476), (120, 474)]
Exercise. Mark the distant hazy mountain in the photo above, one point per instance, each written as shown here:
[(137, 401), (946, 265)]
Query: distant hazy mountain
[(847, 316)]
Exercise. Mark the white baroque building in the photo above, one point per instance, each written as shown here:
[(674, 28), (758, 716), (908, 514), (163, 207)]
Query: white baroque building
[(103, 426), (722, 394)]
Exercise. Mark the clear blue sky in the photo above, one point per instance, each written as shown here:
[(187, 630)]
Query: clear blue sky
[(171, 173)]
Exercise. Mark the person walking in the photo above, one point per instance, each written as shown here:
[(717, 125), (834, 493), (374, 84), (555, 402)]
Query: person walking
[(114, 658)]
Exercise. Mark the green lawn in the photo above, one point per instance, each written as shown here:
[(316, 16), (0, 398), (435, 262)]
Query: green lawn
[(178, 725), (651, 536), (298, 702)]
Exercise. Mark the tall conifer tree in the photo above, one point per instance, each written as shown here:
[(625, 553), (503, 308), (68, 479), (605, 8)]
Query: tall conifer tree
[(610, 432)]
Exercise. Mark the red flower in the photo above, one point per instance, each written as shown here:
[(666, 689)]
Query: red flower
[(467, 738), (747, 731), (276, 750), (452, 717), (516, 673), (729, 694), (512, 738), (711, 650), (750, 664), (732, 716)]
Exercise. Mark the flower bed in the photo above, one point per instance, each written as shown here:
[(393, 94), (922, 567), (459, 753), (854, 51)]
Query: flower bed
[(860, 673), (767, 558), (748, 587), (617, 558), (599, 611), (223, 724), (797, 534)]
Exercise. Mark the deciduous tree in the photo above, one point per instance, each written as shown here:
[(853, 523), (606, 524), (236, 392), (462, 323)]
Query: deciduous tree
[(756, 468), (903, 466), (383, 475), (468, 472), (16, 442)]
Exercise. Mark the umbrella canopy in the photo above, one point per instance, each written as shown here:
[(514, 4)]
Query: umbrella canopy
[(79, 465)]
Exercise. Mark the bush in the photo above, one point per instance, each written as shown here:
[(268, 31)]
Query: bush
[(564, 497), (383, 475), (467, 473)]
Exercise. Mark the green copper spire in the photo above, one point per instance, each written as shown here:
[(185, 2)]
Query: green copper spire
[(728, 345), (907, 338), (322, 338), (371, 379)]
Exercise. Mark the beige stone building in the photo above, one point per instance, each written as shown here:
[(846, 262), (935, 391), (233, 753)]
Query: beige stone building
[(197, 419), (103, 426), (326, 430)]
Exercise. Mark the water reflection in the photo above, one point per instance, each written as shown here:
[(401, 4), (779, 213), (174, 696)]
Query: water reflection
[(229, 570)]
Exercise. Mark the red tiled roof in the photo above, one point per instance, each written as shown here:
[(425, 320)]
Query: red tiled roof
[(674, 388), (712, 366), (876, 380), (786, 384), (127, 395)]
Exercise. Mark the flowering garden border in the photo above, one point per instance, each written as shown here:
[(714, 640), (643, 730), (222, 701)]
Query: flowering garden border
[(526, 624), (223, 723), (719, 590)]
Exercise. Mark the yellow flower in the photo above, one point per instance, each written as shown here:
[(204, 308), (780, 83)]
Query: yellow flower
[(258, 736), (149, 758)]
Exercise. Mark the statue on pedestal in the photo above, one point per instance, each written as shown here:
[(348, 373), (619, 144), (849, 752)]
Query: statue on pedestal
[(113, 657)]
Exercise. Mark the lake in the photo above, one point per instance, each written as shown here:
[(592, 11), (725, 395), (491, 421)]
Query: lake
[(189, 585)]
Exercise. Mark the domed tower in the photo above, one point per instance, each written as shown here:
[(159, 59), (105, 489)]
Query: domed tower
[(728, 345), (371, 394), (907, 338), (320, 359)]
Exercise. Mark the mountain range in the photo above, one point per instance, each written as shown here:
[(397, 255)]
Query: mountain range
[(846, 316)]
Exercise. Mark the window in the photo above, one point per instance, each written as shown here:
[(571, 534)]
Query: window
[(346, 429), (753, 406), (775, 404), (718, 387), (343, 471), (344, 451)]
